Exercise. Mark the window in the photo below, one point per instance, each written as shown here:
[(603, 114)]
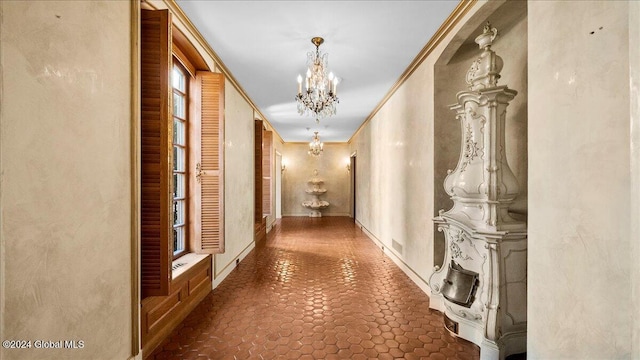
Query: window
[(179, 87), (182, 153)]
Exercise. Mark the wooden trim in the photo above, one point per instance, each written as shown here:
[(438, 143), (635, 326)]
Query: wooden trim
[(160, 315), (454, 18), (187, 54), (183, 60)]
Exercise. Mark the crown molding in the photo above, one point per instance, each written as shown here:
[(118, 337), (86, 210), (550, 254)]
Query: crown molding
[(454, 18), (177, 11)]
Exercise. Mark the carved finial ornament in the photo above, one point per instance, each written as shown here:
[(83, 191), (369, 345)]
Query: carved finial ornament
[(485, 71)]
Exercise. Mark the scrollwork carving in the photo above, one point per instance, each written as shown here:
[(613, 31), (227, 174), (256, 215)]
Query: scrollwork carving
[(471, 73), (456, 252), (463, 313), (471, 148)]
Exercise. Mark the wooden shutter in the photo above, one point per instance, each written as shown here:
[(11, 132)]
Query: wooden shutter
[(207, 159), (156, 137), (267, 141), (258, 130)]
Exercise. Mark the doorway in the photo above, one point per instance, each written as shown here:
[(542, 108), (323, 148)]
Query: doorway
[(352, 167), (278, 195)]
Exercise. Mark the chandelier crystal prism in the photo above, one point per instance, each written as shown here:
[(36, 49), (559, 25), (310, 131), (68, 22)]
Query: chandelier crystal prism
[(315, 146), (319, 97)]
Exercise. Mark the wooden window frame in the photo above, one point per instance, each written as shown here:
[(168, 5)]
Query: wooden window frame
[(158, 56), (186, 173)]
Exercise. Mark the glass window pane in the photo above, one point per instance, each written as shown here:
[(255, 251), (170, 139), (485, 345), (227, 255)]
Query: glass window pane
[(178, 158), (175, 240), (177, 78), (178, 212), (178, 186), (175, 212), (179, 105), (175, 158), (178, 239), (175, 185), (178, 132)]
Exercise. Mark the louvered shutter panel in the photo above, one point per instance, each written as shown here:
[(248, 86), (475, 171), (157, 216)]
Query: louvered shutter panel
[(156, 130), (267, 141), (208, 194), (258, 130)]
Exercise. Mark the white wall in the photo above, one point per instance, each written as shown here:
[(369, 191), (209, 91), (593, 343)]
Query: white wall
[(580, 283), (66, 196)]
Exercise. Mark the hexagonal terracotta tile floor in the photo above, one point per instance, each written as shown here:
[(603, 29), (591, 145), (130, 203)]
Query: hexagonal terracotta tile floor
[(317, 288)]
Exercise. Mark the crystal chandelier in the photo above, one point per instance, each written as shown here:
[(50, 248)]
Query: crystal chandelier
[(319, 98), (315, 146)]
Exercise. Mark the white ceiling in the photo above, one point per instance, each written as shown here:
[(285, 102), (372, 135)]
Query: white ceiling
[(264, 45)]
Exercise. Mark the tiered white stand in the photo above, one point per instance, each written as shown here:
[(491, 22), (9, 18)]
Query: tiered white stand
[(315, 204), (482, 287)]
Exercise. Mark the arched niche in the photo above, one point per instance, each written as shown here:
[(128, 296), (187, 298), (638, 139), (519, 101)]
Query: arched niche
[(510, 18)]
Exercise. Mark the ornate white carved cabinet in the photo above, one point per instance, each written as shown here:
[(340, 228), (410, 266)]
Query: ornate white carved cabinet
[(481, 287)]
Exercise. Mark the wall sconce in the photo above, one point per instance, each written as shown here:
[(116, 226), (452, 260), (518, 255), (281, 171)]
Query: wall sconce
[(283, 167), (348, 165)]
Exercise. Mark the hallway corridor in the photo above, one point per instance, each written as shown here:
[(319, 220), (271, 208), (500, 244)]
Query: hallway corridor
[(317, 288)]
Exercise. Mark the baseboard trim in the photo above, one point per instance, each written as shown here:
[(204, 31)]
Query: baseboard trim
[(323, 214), (417, 279), (219, 277)]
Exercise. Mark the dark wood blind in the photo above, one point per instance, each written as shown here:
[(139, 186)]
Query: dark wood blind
[(156, 131), (258, 171)]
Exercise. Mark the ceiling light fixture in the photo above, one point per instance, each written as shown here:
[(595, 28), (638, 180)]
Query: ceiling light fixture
[(319, 98), (315, 146)]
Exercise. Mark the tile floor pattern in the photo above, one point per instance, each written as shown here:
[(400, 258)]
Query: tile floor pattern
[(317, 288)]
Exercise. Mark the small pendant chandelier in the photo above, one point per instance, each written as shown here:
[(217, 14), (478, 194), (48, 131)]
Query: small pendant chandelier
[(315, 146), (319, 97)]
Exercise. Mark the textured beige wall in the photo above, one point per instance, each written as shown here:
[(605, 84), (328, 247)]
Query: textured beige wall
[(395, 190), (394, 175), (634, 73), (332, 168), (66, 177), (394, 172), (238, 177), (580, 285)]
